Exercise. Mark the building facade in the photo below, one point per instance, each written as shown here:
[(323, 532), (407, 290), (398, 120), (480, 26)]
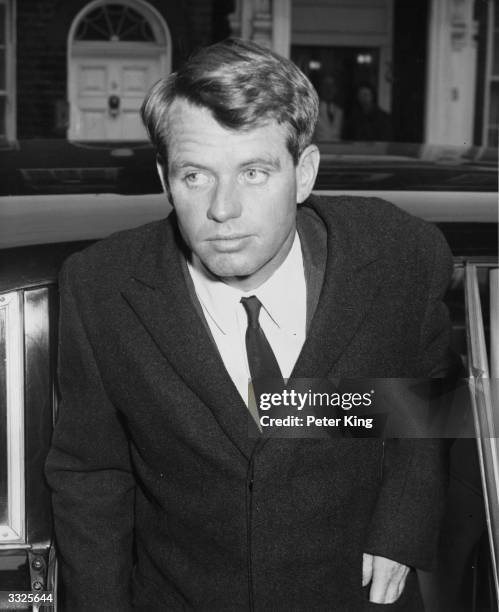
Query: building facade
[(78, 69)]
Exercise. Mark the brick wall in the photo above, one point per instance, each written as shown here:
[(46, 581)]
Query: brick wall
[(41, 65), (42, 32)]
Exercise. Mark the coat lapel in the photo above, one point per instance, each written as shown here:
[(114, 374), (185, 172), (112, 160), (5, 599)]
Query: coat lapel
[(350, 282), (161, 299)]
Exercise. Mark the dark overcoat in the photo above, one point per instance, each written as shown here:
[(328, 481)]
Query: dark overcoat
[(162, 500)]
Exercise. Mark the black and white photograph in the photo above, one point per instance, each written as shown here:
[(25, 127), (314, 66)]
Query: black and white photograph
[(249, 305)]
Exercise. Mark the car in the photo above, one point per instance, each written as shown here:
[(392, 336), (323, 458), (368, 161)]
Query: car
[(57, 197)]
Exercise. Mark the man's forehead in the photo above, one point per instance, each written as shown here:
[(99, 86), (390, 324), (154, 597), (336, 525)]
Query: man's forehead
[(182, 110), (193, 131)]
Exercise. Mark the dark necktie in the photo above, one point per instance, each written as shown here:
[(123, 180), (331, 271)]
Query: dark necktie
[(261, 359)]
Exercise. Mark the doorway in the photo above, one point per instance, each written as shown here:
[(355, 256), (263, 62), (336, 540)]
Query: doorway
[(116, 52)]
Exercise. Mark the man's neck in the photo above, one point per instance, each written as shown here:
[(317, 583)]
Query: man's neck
[(255, 280)]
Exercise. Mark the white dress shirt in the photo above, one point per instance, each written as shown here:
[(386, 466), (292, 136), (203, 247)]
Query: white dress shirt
[(282, 317)]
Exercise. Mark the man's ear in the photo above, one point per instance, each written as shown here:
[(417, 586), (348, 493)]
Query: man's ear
[(306, 172)]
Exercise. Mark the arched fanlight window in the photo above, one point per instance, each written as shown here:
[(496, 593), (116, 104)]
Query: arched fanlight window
[(115, 22)]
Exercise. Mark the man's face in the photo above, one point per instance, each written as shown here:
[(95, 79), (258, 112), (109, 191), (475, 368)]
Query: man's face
[(234, 193), (365, 98)]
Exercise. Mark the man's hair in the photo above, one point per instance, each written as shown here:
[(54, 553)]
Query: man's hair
[(244, 86)]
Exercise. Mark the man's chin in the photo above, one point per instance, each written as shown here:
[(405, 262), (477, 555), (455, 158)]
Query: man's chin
[(228, 266), (226, 271)]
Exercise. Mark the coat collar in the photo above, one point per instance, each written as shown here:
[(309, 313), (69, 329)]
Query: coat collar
[(340, 289), (351, 279)]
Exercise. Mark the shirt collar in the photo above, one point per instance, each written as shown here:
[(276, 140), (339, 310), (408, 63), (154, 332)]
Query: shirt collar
[(278, 294)]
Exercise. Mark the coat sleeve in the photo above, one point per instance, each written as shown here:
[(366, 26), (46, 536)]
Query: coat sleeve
[(406, 521), (88, 470)]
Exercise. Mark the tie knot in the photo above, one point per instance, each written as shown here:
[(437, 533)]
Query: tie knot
[(252, 307)]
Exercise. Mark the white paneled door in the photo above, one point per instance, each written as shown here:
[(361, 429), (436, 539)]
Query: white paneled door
[(108, 94)]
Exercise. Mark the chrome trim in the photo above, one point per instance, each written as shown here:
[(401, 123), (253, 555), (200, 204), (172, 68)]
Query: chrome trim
[(14, 530), (484, 399), (40, 309), (494, 322), (13, 548)]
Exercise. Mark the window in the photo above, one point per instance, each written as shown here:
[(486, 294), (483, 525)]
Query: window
[(7, 77), (115, 22)]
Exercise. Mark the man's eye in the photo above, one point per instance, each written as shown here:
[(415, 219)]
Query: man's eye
[(196, 179), (255, 176)]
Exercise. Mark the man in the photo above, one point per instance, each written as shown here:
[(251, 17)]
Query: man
[(162, 500), (367, 121), (329, 127)]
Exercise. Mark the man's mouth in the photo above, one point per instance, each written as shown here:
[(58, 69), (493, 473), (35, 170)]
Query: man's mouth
[(228, 242), (233, 236)]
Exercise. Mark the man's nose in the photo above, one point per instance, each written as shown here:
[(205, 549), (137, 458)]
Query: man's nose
[(225, 202)]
